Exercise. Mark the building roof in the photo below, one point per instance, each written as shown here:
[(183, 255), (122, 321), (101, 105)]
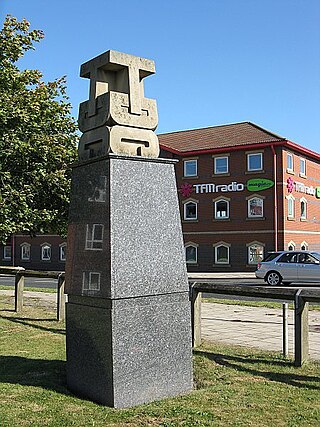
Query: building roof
[(217, 137)]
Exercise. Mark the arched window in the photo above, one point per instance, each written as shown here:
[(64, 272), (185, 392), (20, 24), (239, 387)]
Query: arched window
[(62, 251), (290, 204), (190, 210), (291, 246), (191, 251), (221, 253), (304, 246), (45, 252), (255, 207), (255, 252), (221, 208), (303, 208), (25, 251)]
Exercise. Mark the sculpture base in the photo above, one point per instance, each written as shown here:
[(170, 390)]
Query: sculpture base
[(126, 352)]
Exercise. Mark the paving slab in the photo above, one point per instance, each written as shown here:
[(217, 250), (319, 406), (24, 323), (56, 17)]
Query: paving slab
[(258, 327)]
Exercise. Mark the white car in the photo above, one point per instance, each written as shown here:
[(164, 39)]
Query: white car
[(289, 266)]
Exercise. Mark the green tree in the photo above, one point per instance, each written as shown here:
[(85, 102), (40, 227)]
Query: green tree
[(38, 139)]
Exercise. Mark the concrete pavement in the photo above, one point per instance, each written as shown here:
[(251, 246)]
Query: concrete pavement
[(255, 327)]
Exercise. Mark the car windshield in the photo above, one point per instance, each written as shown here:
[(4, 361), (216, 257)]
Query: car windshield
[(270, 256)]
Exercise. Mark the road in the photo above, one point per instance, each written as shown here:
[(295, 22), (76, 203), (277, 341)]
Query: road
[(30, 282), (249, 281)]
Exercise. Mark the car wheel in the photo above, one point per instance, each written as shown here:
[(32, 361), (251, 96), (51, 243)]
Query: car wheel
[(273, 278)]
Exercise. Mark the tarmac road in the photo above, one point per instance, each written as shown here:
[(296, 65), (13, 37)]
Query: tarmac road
[(30, 282)]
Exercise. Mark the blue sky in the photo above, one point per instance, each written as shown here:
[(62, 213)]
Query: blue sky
[(217, 61)]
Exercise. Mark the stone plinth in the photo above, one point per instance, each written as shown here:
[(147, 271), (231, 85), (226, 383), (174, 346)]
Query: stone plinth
[(128, 315)]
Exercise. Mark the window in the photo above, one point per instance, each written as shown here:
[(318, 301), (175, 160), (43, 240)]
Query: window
[(7, 252), (288, 258), (303, 167), (303, 209), (221, 165), (94, 237), (62, 251), (291, 246), (255, 207), (255, 253), (190, 168), (221, 209), (304, 246), (25, 252), (307, 259), (221, 253), (290, 207), (254, 162), (46, 252), (191, 253), (190, 211), (289, 162), (91, 281)]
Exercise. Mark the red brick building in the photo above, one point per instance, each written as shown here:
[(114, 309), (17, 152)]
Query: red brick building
[(243, 191), (42, 252)]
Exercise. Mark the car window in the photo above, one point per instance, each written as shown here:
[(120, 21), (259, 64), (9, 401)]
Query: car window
[(288, 257), (270, 257), (316, 255), (304, 258)]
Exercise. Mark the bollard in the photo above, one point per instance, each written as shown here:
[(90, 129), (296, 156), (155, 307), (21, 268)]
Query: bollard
[(301, 333), (285, 334), (18, 292), (196, 316), (61, 298)]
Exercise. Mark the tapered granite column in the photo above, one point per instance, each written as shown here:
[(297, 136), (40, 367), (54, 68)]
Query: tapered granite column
[(128, 315)]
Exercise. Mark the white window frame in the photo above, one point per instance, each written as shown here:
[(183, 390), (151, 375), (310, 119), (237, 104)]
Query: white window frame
[(292, 244), (290, 156), (249, 155), (25, 247), (7, 257), (46, 246), (255, 245), (216, 248), (185, 162), (305, 203), (92, 242), (250, 199), (185, 203), (305, 245), (215, 165), (62, 251), (87, 281), (303, 170), (221, 199), (191, 245), (290, 206)]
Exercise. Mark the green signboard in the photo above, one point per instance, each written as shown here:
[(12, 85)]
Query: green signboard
[(318, 192), (258, 184)]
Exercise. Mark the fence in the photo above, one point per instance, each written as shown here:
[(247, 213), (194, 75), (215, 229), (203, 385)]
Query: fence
[(20, 273), (300, 297)]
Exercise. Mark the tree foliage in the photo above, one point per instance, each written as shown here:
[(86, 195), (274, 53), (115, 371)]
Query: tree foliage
[(37, 140)]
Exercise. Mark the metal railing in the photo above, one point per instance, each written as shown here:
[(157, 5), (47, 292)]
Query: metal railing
[(300, 298), (20, 273)]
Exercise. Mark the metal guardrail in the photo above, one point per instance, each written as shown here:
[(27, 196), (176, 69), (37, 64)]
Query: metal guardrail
[(20, 273), (300, 298)]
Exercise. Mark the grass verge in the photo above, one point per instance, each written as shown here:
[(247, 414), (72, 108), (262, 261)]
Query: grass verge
[(233, 386)]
